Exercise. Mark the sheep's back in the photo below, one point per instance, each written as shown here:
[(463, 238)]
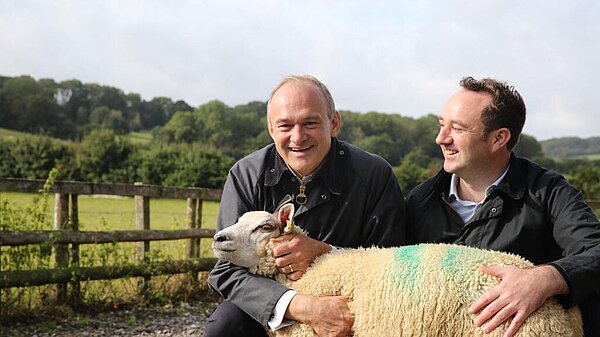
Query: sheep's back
[(420, 290)]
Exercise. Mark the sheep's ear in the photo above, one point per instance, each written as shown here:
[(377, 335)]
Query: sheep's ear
[(286, 199), (286, 212)]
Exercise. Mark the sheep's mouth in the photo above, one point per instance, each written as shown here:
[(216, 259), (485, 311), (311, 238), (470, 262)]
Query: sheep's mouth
[(225, 250)]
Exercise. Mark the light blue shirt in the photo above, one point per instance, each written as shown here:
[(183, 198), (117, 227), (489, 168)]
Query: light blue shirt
[(465, 208)]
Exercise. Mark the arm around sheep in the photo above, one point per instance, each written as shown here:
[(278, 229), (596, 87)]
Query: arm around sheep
[(329, 316)]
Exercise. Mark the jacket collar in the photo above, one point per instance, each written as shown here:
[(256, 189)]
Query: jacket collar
[(328, 172), (512, 185), (514, 182)]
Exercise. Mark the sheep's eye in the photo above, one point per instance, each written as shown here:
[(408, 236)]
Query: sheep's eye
[(267, 227)]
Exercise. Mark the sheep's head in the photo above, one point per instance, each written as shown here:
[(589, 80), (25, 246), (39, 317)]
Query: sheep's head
[(246, 243)]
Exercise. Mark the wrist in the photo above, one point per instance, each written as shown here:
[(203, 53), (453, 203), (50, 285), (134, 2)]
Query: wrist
[(556, 283), (301, 308)]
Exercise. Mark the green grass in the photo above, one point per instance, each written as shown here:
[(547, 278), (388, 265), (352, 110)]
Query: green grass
[(11, 134), (587, 156), (99, 213), (118, 213), (141, 138)]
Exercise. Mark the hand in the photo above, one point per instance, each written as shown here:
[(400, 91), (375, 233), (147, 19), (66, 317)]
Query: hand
[(520, 293), (295, 252), (329, 316)]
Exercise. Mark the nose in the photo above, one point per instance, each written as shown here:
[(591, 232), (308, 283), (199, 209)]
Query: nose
[(297, 134), (221, 237), (443, 136)]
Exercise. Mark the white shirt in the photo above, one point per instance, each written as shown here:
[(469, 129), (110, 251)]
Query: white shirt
[(465, 208)]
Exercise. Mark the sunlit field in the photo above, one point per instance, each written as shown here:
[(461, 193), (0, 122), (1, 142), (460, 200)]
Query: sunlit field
[(98, 213), (118, 213)]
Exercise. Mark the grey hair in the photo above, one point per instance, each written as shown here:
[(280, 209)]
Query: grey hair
[(306, 80)]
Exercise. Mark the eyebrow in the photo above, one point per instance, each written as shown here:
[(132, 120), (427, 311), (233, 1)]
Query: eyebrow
[(311, 117), (457, 122)]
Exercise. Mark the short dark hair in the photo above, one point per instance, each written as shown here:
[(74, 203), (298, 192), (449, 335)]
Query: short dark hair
[(506, 111)]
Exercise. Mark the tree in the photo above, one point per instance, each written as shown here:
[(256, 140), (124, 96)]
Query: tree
[(410, 175), (528, 147), (184, 165), (30, 106), (34, 156), (181, 128), (587, 178), (105, 157)]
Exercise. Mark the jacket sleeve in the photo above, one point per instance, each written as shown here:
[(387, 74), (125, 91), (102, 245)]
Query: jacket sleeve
[(254, 294), (386, 217), (577, 230)]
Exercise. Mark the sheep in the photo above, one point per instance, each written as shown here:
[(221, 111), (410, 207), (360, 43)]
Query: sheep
[(418, 290)]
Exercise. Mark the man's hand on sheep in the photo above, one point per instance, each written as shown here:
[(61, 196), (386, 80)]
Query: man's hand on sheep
[(329, 316), (295, 252), (520, 293)]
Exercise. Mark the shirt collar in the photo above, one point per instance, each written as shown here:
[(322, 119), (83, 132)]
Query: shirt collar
[(453, 193)]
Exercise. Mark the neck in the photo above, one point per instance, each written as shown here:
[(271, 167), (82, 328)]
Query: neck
[(473, 187)]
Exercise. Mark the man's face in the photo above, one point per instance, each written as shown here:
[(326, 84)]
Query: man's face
[(300, 128), (462, 140)]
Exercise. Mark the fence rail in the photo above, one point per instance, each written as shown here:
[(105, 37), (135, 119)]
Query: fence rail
[(21, 238), (66, 235)]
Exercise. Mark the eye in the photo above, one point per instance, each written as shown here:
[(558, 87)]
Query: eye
[(457, 128), (266, 227)]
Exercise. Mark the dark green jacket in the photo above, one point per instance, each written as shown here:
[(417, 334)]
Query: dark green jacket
[(353, 201)]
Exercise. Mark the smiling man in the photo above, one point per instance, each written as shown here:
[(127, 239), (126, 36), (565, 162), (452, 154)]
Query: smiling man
[(344, 197), (487, 197)]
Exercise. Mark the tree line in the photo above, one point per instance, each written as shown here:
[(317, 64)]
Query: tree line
[(196, 146)]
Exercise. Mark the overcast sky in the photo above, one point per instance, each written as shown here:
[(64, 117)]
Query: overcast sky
[(388, 56)]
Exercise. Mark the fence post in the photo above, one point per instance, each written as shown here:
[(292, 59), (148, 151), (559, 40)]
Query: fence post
[(192, 244), (75, 286), (61, 259), (142, 222), (192, 249)]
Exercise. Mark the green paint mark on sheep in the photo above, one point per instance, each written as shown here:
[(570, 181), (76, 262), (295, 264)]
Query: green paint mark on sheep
[(407, 273), (449, 260)]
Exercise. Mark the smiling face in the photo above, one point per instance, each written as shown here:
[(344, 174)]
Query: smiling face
[(466, 148), (300, 127)]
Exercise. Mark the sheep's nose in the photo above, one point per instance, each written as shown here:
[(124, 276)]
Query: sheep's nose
[(220, 237)]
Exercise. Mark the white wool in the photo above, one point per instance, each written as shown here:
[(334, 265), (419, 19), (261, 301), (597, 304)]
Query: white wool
[(415, 291)]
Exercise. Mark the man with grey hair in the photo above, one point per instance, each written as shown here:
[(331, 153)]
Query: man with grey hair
[(344, 197)]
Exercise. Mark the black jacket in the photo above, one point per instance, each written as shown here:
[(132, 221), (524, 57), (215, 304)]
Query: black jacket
[(533, 212), (353, 201)]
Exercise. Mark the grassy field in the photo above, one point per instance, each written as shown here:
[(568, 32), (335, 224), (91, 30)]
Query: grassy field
[(99, 213), (143, 137), (118, 213), (139, 137), (11, 134)]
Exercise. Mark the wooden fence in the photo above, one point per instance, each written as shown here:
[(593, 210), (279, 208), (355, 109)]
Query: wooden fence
[(66, 232)]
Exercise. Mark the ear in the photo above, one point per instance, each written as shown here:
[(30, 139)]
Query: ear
[(501, 137), (336, 124), (270, 127), (286, 212), (287, 198)]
